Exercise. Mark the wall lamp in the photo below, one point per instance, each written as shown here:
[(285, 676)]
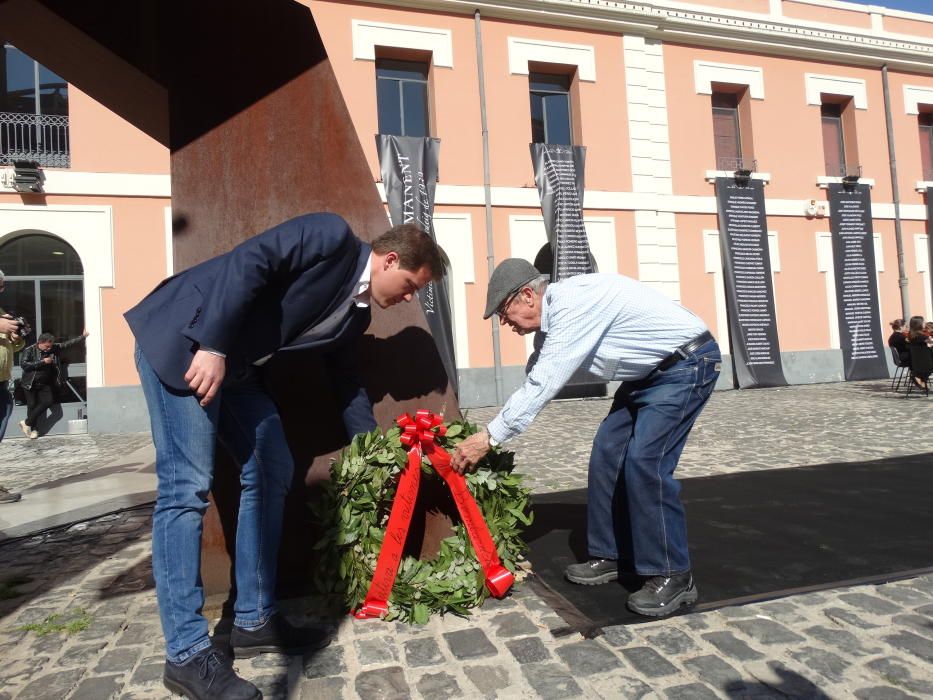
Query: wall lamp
[(27, 176), (849, 182)]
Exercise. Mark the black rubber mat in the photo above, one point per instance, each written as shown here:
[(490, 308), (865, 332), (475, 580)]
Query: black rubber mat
[(758, 535)]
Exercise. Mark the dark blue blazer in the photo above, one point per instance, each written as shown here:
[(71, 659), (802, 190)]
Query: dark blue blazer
[(260, 298)]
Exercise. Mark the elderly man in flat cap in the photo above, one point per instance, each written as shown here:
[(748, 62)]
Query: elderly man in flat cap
[(616, 329)]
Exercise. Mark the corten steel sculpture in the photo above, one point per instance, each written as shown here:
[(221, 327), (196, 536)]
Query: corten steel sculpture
[(246, 100)]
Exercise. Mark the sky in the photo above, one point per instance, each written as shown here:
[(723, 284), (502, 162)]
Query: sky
[(924, 6)]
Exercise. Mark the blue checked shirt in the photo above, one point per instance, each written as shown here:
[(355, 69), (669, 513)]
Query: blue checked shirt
[(601, 326)]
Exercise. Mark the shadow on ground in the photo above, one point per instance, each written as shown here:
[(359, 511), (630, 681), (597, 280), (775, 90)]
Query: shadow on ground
[(760, 535)]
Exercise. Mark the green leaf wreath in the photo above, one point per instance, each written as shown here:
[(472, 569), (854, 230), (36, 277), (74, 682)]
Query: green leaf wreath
[(354, 510)]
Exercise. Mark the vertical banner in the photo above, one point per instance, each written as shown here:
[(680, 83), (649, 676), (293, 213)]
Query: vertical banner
[(929, 193), (863, 352), (746, 272), (409, 173), (559, 177)]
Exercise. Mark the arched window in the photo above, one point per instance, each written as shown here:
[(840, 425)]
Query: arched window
[(45, 285)]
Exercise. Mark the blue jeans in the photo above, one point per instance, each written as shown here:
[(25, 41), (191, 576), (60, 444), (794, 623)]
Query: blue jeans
[(245, 419), (6, 407), (634, 511)]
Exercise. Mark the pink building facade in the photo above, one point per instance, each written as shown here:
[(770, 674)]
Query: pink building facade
[(664, 96)]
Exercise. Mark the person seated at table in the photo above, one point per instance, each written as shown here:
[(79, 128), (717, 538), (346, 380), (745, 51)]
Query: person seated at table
[(916, 331), (917, 338), (898, 340)]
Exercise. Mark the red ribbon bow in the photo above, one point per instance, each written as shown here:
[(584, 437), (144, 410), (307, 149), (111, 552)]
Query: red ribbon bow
[(420, 429), (419, 434)]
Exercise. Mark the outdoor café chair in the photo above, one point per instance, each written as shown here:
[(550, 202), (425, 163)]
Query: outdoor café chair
[(900, 369), (921, 365)]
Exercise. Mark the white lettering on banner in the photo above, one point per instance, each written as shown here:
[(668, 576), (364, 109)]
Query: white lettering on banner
[(857, 300), (416, 208), (746, 239), (408, 202), (573, 251), (429, 292)]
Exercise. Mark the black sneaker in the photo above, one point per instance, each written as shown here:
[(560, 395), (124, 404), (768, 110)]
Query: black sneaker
[(663, 595), (277, 635), (208, 675), (593, 572), (7, 496)]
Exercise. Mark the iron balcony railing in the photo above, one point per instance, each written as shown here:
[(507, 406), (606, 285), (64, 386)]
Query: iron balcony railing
[(38, 137)]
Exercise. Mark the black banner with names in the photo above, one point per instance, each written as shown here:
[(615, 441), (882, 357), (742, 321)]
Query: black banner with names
[(559, 171), (929, 193), (746, 271), (863, 352), (559, 177), (409, 168)]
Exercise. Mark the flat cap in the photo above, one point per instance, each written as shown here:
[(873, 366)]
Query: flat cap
[(509, 276)]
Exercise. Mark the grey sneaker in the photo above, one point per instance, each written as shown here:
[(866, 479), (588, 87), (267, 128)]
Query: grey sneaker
[(7, 496), (25, 428), (593, 572), (663, 595)]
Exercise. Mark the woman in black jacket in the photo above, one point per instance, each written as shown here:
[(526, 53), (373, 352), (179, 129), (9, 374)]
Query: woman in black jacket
[(898, 340), (41, 364)]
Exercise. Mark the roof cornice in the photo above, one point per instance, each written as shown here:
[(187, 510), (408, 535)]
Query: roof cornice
[(676, 22)]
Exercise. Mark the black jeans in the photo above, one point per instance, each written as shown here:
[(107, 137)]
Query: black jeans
[(38, 400)]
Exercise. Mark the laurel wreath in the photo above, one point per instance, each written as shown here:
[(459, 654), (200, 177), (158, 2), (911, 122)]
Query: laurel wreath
[(354, 508)]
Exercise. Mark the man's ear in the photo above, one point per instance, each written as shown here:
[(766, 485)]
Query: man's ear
[(390, 259)]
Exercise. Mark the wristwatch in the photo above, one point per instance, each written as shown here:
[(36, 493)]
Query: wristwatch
[(490, 439)]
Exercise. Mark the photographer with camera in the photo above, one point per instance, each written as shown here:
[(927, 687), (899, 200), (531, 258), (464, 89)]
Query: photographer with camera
[(11, 342), (42, 374)]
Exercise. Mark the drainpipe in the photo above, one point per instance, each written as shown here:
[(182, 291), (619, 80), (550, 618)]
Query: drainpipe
[(901, 271), (487, 193)]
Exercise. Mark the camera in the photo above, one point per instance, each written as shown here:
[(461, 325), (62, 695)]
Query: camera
[(24, 327)]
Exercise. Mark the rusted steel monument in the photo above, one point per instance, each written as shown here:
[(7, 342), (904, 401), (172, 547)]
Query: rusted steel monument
[(246, 100)]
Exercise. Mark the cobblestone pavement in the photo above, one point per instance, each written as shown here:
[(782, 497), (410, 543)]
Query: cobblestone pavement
[(27, 463), (869, 642), (740, 431)]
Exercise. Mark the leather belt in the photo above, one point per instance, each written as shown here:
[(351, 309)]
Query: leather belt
[(684, 351)]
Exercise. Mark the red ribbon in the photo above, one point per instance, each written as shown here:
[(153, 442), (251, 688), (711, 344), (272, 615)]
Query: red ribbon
[(419, 434)]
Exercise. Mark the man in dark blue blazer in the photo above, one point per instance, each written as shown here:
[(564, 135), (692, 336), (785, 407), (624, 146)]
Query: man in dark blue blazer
[(201, 339)]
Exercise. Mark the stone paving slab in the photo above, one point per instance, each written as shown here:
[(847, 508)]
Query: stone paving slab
[(865, 641), (28, 463)]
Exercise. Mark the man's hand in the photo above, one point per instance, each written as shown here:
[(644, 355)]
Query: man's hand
[(206, 374), (8, 325), (469, 452), (48, 360)]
